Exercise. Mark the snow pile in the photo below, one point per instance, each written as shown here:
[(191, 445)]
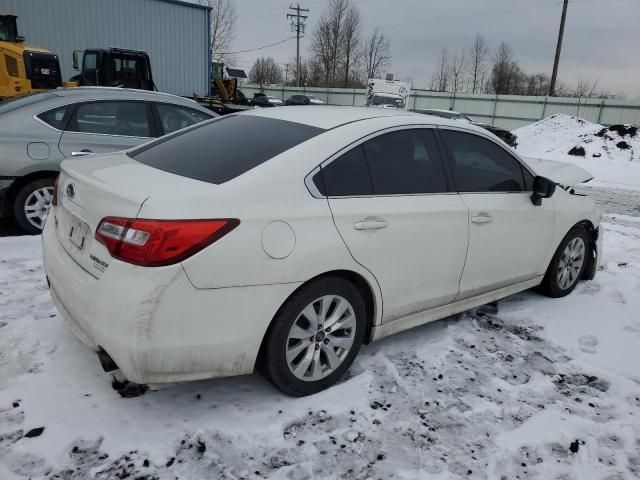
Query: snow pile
[(611, 154), (540, 389)]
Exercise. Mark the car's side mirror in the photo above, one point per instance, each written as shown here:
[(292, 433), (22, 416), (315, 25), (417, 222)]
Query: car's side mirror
[(76, 59), (542, 188)]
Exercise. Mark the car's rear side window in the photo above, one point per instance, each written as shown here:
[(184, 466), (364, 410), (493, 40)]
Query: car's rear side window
[(221, 150), (346, 176), (57, 117)]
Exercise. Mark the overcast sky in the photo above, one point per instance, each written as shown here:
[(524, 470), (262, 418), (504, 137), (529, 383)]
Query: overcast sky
[(601, 41)]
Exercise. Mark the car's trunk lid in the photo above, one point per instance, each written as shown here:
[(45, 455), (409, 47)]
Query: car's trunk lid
[(90, 189)]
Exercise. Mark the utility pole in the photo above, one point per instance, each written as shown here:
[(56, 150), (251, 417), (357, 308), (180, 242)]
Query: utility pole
[(286, 74), (298, 27), (554, 75)]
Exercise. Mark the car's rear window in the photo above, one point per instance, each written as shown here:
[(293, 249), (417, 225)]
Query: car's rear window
[(224, 148)]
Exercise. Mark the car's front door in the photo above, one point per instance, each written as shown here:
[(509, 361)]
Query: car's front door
[(394, 208), (172, 118), (106, 126), (509, 236)]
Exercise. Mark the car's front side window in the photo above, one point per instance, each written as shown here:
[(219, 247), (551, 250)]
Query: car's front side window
[(480, 165), (112, 118), (174, 118)]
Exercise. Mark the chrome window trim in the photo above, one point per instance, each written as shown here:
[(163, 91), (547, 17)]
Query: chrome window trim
[(93, 100), (38, 119), (105, 134), (313, 189)]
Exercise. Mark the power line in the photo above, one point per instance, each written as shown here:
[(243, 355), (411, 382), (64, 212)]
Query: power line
[(259, 48), (298, 26)]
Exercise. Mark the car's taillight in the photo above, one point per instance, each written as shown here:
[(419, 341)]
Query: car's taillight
[(154, 243), (54, 197)]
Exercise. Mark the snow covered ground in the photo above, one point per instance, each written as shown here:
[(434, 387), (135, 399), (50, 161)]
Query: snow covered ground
[(543, 389), (612, 156)]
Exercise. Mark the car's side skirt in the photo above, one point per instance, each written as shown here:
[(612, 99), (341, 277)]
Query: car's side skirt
[(438, 313)]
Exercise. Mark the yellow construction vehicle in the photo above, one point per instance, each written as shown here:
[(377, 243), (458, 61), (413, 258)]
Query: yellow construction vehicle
[(24, 69)]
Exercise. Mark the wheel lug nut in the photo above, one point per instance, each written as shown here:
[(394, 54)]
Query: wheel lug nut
[(328, 329), (317, 347), (326, 341)]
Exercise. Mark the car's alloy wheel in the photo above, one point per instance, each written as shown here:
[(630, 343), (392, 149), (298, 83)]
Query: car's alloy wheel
[(37, 206), (568, 264), (32, 204), (571, 262), (321, 337), (314, 337)]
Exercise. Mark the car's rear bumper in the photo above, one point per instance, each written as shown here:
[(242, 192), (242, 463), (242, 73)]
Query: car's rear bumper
[(5, 185), (154, 324)]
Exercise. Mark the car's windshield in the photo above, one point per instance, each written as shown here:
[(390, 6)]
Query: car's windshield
[(129, 66), (385, 100)]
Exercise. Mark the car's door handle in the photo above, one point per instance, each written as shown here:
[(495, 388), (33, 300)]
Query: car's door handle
[(370, 224), (482, 218), (81, 153)]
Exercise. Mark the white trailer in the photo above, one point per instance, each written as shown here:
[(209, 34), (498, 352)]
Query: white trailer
[(387, 94)]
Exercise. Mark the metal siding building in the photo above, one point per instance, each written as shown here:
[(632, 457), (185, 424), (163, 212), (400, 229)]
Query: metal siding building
[(175, 35)]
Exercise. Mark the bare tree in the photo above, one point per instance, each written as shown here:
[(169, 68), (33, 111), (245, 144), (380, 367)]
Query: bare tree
[(223, 28), (477, 57), (457, 68), (327, 45), (506, 75), (321, 48), (336, 16), (585, 88), (537, 84), (350, 43), (376, 54), (440, 78), (264, 71)]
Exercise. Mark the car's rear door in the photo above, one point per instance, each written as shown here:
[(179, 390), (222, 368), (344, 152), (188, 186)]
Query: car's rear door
[(394, 208), (509, 236), (107, 126)]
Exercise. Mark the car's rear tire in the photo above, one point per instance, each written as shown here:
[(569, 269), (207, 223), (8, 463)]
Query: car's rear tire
[(314, 337), (567, 265), (32, 203)]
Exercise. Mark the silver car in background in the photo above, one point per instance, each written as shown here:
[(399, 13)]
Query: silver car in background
[(38, 131)]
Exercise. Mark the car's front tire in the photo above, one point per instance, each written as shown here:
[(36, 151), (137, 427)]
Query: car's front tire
[(567, 265), (32, 204), (314, 337)]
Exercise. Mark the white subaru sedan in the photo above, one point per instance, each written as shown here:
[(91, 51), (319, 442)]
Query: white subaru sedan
[(283, 239)]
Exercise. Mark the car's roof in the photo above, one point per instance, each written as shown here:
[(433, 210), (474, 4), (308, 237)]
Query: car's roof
[(326, 116), (387, 94), (441, 110), (97, 93)]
